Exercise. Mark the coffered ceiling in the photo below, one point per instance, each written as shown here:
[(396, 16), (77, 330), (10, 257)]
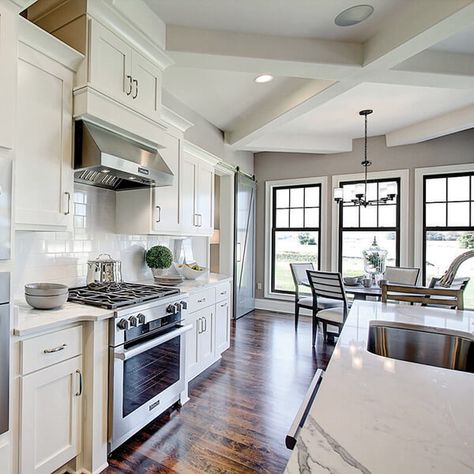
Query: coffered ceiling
[(412, 62)]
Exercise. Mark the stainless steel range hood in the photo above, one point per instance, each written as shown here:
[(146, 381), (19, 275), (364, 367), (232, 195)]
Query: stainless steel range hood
[(108, 160)]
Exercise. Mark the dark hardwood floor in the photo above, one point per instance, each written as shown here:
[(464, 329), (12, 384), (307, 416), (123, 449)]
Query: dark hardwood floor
[(240, 408)]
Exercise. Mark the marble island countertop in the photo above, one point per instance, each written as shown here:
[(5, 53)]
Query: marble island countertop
[(378, 415), (28, 320)]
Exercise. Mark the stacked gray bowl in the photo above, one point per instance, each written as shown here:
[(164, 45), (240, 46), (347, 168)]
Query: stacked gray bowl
[(46, 295)]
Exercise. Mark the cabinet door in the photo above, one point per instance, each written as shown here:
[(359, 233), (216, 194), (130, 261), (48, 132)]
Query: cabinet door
[(188, 177), (192, 361), (110, 64), (146, 92), (222, 327), (7, 76), (50, 417), (205, 199), (166, 198), (44, 180), (205, 337)]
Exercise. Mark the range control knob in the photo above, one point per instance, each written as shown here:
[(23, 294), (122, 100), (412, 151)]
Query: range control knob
[(171, 309), (133, 321), (184, 304), (178, 307), (141, 318), (123, 324)]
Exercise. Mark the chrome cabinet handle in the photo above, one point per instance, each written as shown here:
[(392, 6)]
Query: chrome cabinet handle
[(130, 84), (205, 324), (304, 410), (135, 81), (55, 349), (223, 305), (202, 300), (200, 326), (200, 220), (159, 213), (78, 394), (68, 194), (195, 220)]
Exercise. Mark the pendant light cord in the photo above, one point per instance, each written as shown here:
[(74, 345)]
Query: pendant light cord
[(366, 163)]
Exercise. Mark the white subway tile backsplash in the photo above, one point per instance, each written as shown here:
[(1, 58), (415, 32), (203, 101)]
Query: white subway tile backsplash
[(61, 257)]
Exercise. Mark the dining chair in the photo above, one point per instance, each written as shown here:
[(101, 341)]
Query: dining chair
[(453, 298), (401, 275), (327, 287), (300, 279), (459, 283), (305, 299)]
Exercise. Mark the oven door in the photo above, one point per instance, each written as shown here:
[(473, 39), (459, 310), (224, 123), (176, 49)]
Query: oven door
[(146, 379)]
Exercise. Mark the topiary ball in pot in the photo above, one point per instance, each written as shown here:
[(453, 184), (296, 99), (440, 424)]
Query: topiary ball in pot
[(159, 258)]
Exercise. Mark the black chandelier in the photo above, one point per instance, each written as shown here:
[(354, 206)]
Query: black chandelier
[(360, 199)]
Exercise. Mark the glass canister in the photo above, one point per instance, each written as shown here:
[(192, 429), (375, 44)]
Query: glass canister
[(374, 260)]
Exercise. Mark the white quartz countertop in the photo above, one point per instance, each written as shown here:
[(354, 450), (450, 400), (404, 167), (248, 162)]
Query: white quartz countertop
[(189, 286), (378, 415), (28, 321)]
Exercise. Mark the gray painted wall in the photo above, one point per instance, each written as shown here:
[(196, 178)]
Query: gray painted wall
[(453, 149), (209, 137)]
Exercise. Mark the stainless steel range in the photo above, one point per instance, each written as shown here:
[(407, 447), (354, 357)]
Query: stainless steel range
[(146, 352)]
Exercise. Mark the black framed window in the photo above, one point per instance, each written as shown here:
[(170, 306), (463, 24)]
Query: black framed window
[(359, 225), (296, 222), (448, 226)]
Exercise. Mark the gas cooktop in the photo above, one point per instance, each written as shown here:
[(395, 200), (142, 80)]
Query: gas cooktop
[(117, 295)]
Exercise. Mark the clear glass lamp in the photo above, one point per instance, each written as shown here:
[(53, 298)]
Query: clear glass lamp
[(375, 258)]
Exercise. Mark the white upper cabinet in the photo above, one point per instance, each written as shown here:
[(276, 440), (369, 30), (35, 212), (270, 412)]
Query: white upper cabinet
[(146, 82), (122, 73), (154, 210), (110, 60), (197, 195), (43, 175), (7, 75)]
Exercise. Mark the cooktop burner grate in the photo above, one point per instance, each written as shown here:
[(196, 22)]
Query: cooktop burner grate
[(117, 295)]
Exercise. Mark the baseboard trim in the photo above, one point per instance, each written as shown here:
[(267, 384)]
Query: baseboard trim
[(279, 306)]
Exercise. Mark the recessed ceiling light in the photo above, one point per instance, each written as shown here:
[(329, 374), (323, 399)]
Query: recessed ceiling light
[(264, 78), (354, 15)]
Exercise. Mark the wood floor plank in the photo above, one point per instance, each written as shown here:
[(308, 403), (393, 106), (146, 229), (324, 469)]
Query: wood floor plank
[(240, 408)]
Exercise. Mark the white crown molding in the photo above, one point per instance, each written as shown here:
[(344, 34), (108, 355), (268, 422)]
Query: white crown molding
[(112, 18), (40, 40), (200, 153), (175, 120)]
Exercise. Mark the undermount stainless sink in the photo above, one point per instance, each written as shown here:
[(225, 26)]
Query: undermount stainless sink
[(423, 345)]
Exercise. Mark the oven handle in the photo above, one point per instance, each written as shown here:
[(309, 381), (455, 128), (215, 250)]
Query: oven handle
[(125, 354)]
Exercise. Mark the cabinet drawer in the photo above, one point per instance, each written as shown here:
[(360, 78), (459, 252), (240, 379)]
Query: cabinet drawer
[(43, 351), (223, 291), (202, 299)]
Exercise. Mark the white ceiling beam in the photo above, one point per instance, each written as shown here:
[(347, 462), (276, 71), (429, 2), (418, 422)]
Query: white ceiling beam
[(404, 36), (440, 62), (301, 144), (452, 122), (257, 53), (422, 79), (248, 129), (415, 28)]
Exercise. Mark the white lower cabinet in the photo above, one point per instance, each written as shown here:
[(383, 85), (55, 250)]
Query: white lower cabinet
[(51, 417), (199, 342), (51, 386), (222, 326), (210, 335)]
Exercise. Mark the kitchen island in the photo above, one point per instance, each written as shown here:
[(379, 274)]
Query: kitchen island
[(374, 414)]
